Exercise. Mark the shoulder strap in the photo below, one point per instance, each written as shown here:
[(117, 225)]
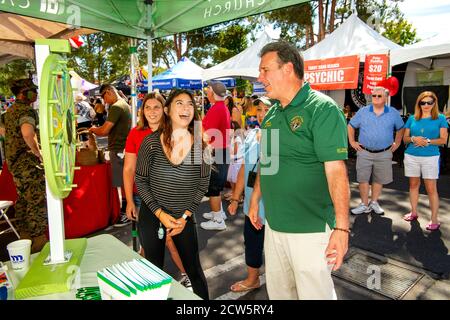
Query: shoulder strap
[(253, 169)]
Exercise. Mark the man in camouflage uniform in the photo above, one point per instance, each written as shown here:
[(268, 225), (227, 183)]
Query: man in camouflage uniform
[(24, 161)]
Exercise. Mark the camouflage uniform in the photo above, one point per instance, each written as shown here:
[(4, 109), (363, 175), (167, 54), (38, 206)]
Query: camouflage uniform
[(28, 174)]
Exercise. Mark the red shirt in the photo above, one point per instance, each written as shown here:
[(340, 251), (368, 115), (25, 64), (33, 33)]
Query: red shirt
[(134, 140), (218, 117)]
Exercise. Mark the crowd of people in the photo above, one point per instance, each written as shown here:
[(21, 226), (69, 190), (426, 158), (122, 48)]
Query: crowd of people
[(283, 156)]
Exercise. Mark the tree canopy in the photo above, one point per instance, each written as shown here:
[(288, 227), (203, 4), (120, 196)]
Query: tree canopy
[(105, 57)]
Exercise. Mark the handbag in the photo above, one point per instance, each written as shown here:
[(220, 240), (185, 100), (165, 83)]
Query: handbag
[(251, 178), (87, 153)]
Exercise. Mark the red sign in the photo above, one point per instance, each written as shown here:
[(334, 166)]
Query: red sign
[(375, 70), (333, 74)]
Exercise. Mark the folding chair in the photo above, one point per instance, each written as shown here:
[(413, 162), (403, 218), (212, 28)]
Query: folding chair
[(4, 206)]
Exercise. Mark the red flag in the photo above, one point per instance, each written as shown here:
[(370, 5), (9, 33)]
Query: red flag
[(76, 42)]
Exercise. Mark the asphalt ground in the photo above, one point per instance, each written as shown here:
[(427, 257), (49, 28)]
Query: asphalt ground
[(387, 237)]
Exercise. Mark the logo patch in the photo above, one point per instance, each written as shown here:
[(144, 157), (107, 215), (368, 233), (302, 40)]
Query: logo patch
[(296, 123), (341, 150), (268, 124)]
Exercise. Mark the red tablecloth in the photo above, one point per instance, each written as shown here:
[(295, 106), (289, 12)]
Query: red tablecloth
[(92, 206), (7, 187)]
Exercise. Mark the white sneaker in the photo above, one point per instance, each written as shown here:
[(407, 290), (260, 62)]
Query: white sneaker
[(362, 208), (213, 225), (210, 215), (376, 207)]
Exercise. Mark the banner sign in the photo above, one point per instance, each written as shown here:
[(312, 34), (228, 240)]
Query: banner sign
[(430, 78), (131, 17), (375, 70), (168, 84), (333, 73)]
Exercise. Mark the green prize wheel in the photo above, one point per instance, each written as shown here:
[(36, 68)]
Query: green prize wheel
[(57, 125)]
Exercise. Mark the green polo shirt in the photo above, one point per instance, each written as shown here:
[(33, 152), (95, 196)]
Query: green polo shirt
[(119, 114), (312, 130)]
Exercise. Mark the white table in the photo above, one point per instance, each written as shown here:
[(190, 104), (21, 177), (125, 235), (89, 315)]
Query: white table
[(101, 251)]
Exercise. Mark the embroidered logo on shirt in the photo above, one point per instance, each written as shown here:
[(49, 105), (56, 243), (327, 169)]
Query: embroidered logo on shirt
[(296, 123), (341, 150), (268, 124)]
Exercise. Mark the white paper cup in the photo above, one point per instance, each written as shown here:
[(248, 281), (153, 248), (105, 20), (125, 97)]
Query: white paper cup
[(19, 253)]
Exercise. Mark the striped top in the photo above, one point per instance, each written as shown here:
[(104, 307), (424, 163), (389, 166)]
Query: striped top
[(164, 185)]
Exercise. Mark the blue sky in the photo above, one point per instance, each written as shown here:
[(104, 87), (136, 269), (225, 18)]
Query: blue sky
[(428, 17)]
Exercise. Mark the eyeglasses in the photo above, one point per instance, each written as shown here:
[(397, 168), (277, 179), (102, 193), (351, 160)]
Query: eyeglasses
[(430, 103), (377, 96)]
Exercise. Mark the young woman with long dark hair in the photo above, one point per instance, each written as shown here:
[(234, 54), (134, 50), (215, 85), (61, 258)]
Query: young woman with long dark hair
[(172, 175)]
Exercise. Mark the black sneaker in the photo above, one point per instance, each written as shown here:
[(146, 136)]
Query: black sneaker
[(185, 281), (123, 221)]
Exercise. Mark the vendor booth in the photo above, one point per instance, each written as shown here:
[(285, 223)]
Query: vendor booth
[(185, 74), (90, 207), (18, 33), (351, 38), (244, 65), (427, 68), (136, 19), (81, 85)]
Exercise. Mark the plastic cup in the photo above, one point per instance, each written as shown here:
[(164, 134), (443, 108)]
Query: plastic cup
[(19, 253)]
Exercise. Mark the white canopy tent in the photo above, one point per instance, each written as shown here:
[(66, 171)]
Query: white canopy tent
[(244, 64), (437, 46), (426, 57), (79, 83), (350, 38), (18, 33)]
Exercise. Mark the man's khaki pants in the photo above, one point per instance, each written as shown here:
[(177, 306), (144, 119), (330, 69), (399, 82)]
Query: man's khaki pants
[(296, 265)]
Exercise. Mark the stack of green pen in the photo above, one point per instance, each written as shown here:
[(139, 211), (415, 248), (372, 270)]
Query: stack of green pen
[(88, 293)]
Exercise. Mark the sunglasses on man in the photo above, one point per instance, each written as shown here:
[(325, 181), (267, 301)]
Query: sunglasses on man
[(377, 96), (430, 103)]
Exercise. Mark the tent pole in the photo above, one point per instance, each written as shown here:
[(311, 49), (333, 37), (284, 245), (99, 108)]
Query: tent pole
[(203, 102), (389, 74), (133, 57), (149, 47), (149, 64), (133, 81)]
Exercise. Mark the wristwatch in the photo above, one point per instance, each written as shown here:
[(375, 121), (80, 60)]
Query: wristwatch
[(185, 216), (428, 141)]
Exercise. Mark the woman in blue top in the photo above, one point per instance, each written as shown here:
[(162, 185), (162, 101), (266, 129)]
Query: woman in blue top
[(425, 131), (253, 238)]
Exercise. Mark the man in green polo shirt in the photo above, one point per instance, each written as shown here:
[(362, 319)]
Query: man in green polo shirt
[(303, 181)]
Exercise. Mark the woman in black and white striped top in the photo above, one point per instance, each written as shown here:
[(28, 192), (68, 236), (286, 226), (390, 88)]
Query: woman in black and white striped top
[(172, 175)]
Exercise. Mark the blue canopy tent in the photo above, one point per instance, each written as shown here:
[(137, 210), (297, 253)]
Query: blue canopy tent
[(185, 74)]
